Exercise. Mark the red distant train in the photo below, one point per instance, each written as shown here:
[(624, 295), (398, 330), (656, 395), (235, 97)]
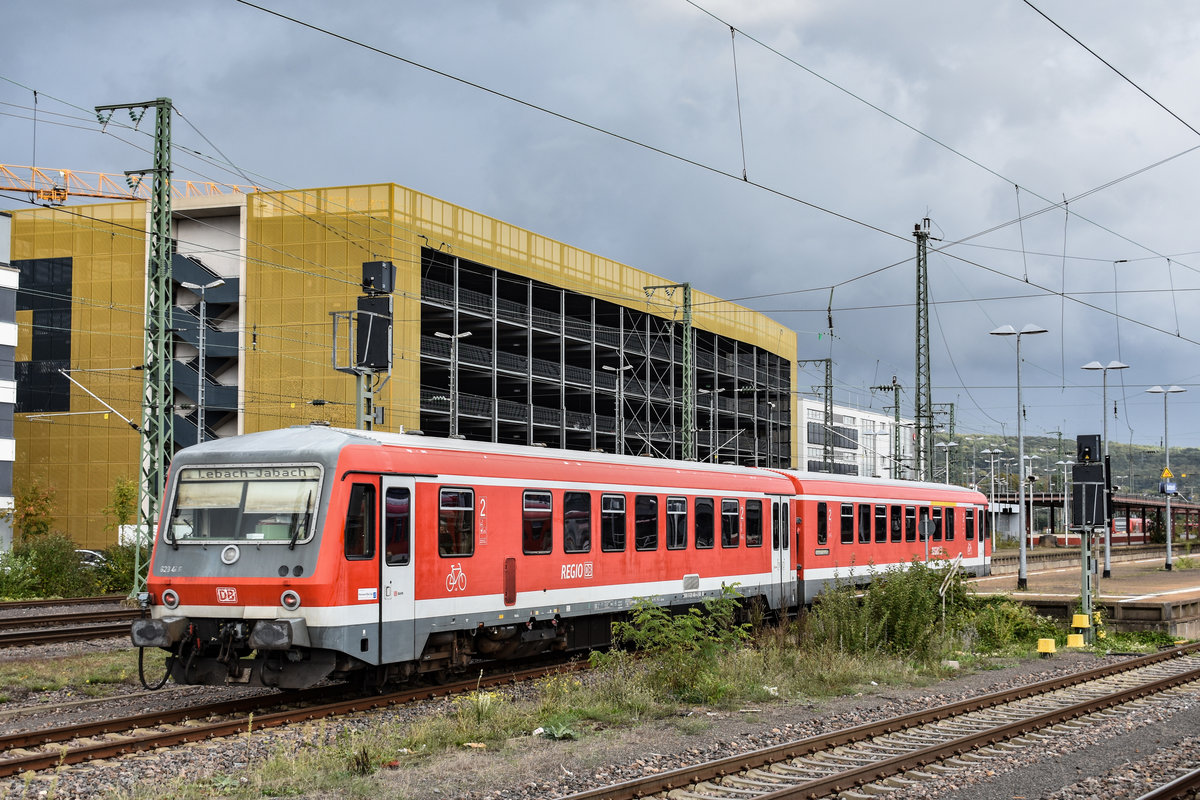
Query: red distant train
[(290, 556)]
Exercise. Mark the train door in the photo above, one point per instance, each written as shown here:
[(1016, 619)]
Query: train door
[(781, 553), (397, 603)]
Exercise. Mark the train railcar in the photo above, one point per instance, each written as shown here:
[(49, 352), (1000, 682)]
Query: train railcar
[(850, 528), (286, 557)]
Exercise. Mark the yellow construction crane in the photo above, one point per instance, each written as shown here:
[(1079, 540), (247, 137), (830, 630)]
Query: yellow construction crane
[(54, 186)]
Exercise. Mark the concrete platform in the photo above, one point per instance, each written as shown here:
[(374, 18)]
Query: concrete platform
[(1140, 595)]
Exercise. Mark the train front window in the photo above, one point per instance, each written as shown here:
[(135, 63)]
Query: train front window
[(271, 504)]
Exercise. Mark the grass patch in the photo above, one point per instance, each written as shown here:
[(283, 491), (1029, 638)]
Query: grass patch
[(91, 674)]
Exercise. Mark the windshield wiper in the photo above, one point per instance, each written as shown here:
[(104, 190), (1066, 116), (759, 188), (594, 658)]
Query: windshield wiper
[(296, 527)]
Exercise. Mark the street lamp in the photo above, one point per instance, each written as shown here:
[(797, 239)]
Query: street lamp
[(453, 337), (201, 289), (1104, 368), (1167, 457), (1008, 330), (991, 454), (620, 403), (1066, 507), (946, 447)]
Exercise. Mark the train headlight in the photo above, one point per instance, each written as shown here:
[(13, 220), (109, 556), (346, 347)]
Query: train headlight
[(290, 600), (170, 598)]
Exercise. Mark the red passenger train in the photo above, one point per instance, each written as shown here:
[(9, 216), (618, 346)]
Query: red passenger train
[(289, 556)]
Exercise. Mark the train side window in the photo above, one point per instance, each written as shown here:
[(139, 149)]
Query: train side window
[(881, 526), (577, 522), (822, 523), (730, 525), (937, 524), (360, 522), (970, 524), (949, 516), (456, 522), (847, 523), (612, 523), (677, 523), (754, 523), (397, 539), (537, 523), (910, 524), (922, 518), (645, 522), (705, 523), (897, 524), (864, 523)]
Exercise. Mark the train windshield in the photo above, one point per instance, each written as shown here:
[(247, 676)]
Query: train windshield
[(275, 503)]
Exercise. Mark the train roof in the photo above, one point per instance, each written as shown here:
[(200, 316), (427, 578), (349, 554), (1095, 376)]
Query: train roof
[(322, 442)]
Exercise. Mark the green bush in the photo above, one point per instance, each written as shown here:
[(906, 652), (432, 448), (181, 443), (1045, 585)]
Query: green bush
[(56, 568), (998, 623), (116, 575), (16, 577), (686, 647), (899, 614)]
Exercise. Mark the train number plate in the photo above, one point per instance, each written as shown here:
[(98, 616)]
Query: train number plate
[(226, 594)]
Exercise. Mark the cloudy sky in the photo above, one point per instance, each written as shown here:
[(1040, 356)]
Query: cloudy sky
[(623, 128)]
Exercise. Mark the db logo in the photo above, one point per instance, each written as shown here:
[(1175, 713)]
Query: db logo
[(226, 594)]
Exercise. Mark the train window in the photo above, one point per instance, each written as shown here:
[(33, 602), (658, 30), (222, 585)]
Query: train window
[(612, 522), (881, 526), (705, 523), (910, 524), (268, 503), (922, 519), (822, 523), (360, 522), (537, 523), (754, 523), (897, 524), (847, 523), (397, 541), (730, 528), (677, 523), (970, 526), (456, 522), (937, 524), (864, 523), (645, 522), (577, 522), (949, 516)]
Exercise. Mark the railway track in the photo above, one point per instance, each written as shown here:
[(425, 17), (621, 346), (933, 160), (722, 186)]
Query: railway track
[(874, 759), (73, 744), (69, 627), (69, 601)]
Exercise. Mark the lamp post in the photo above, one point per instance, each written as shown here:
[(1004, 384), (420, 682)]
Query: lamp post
[(992, 453), (945, 446), (1170, 390), (1066, 506), (201, 350), (1104, 368), (620, 403), (453, 337), (1008, 330)]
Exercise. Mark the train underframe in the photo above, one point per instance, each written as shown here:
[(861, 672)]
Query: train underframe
[(277, 653)]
